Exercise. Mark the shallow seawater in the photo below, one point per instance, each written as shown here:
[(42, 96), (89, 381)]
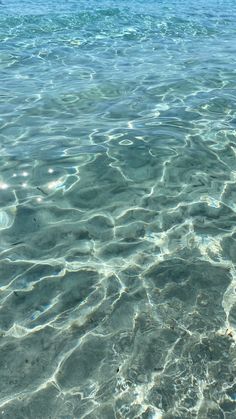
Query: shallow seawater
[(117, 209)]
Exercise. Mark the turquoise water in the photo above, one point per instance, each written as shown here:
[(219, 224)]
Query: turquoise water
[(117, 209)]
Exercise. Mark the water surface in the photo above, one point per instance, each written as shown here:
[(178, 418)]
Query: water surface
[(117, 209)]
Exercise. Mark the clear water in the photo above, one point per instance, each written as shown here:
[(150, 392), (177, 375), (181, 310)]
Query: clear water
[(118, 209)]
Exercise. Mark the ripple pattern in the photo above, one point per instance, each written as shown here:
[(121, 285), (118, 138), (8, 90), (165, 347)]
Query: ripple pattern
[(117, 209)]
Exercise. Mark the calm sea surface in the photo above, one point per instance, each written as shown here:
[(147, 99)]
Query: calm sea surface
[(117, 209)]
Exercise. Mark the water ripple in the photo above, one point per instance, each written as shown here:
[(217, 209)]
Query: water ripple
[(117, 209)]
